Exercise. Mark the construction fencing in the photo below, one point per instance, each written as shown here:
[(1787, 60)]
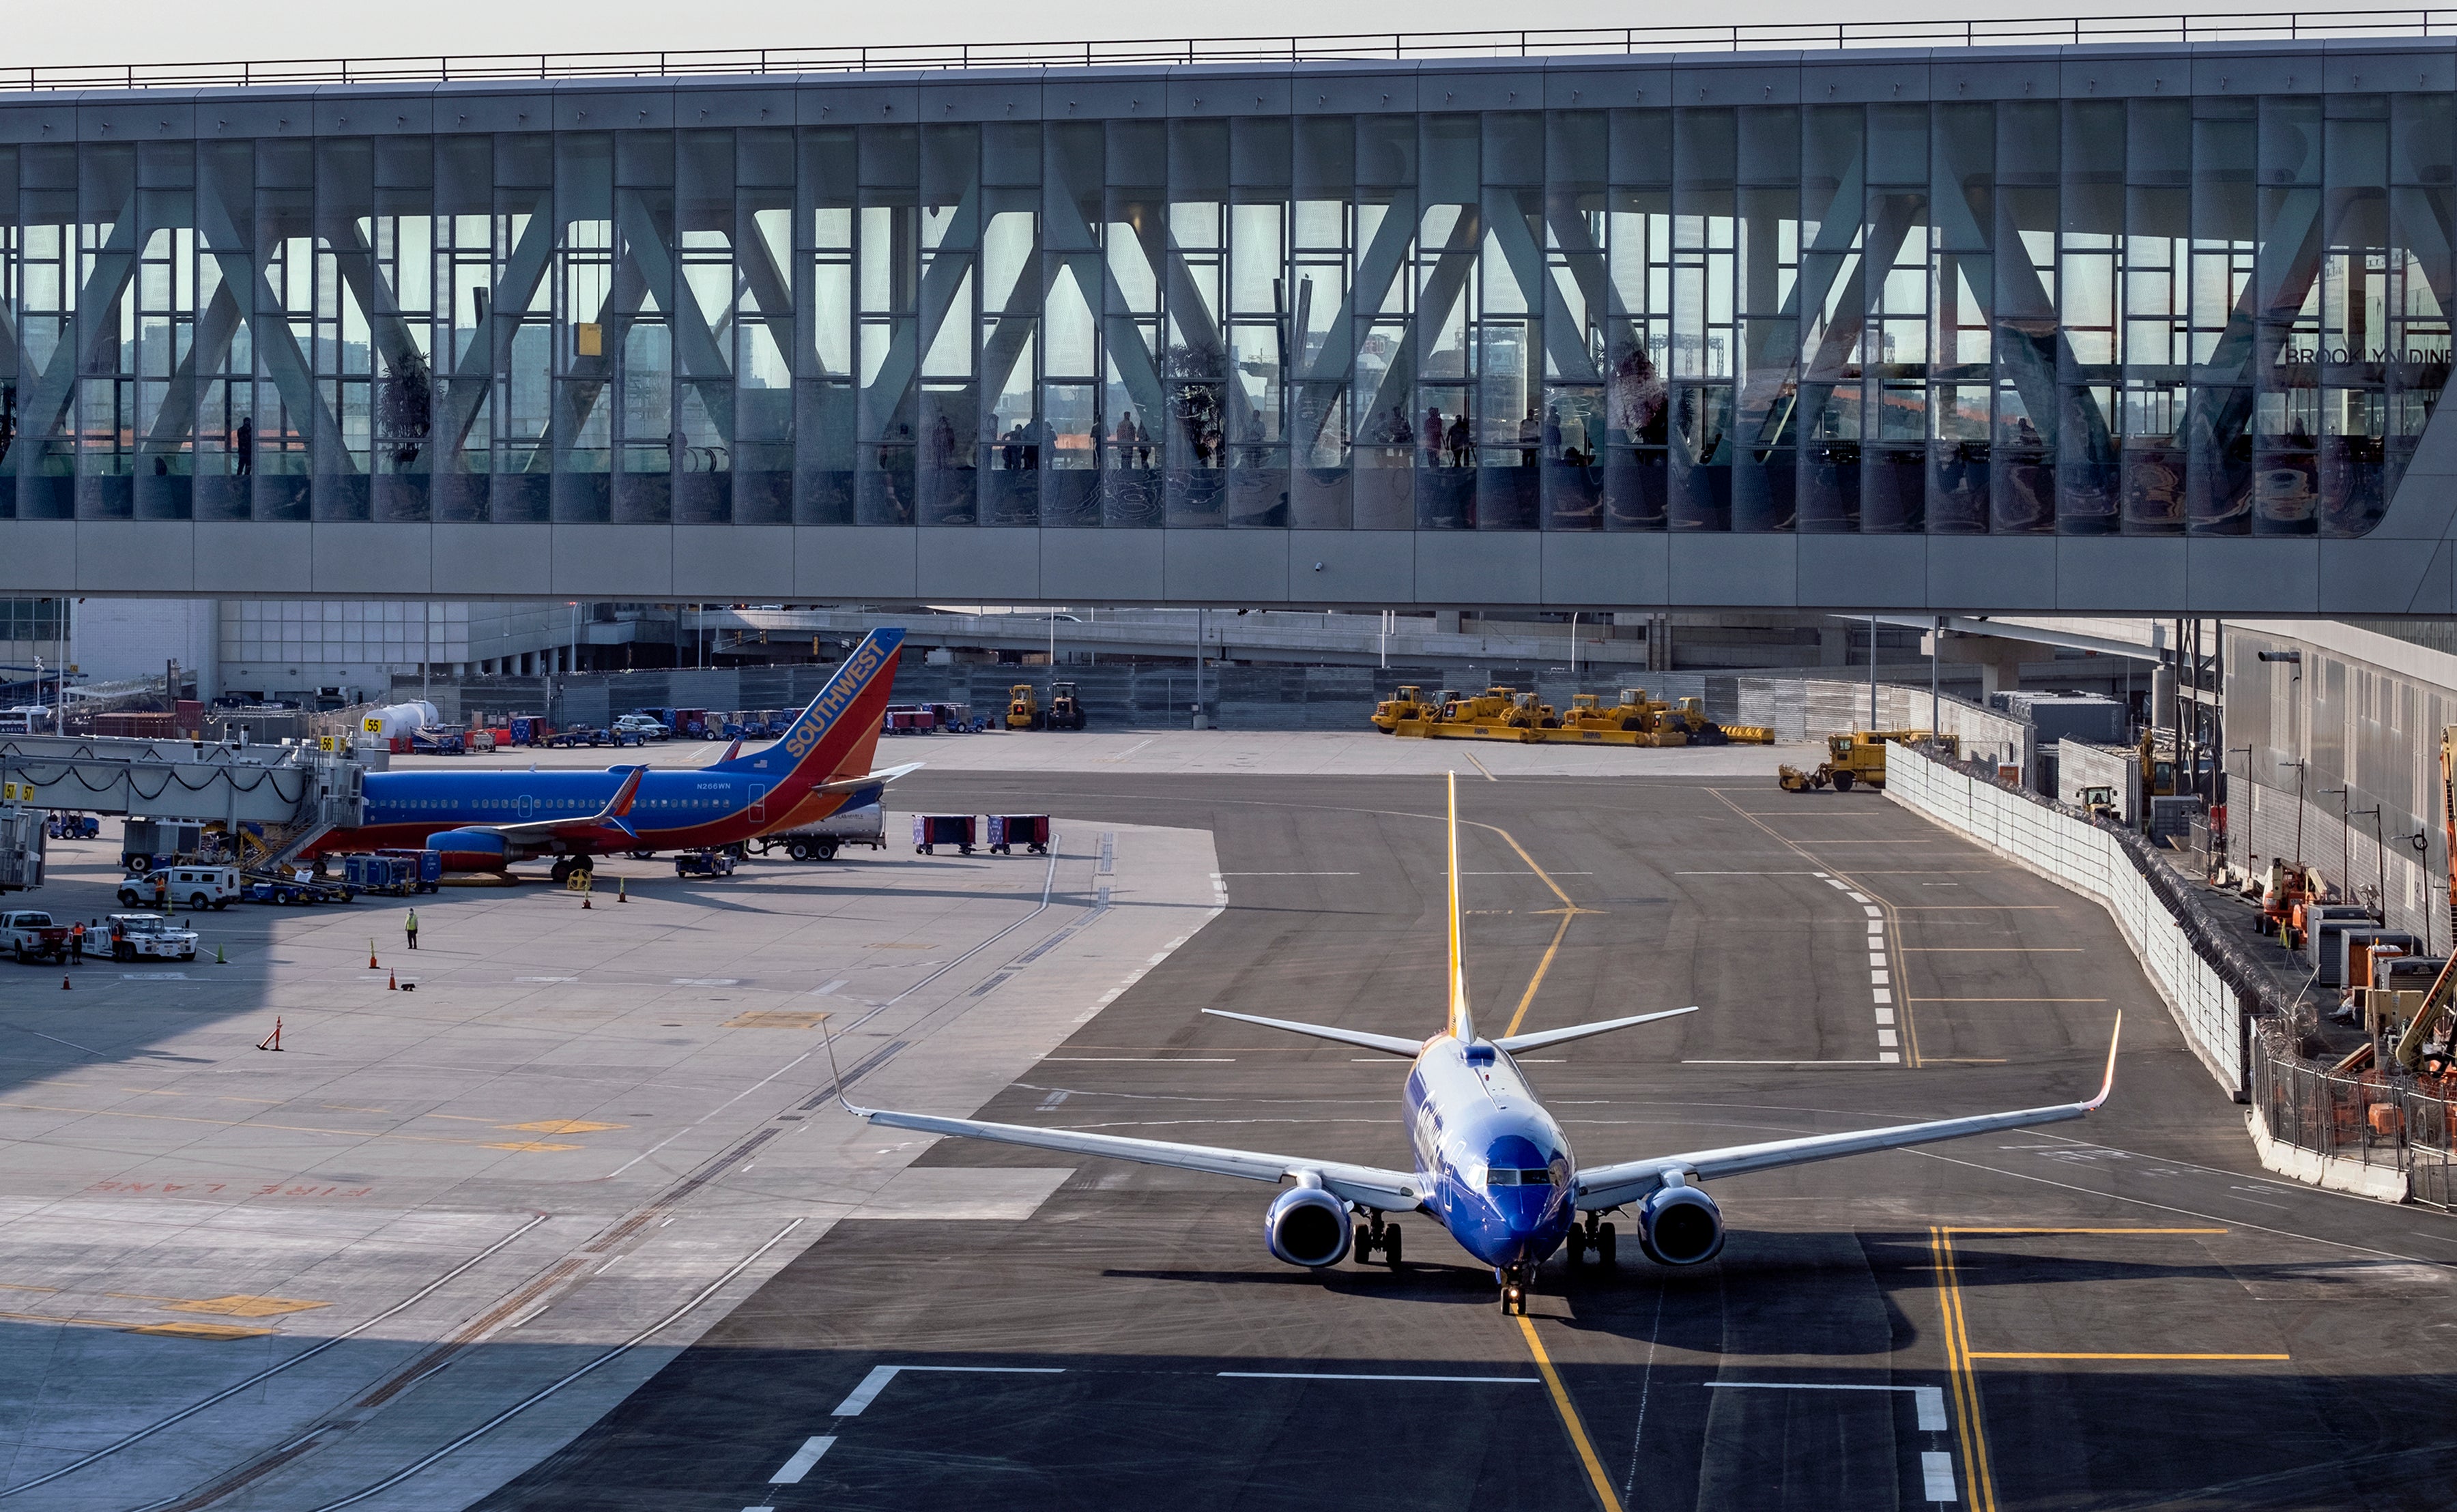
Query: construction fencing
[(2077, 854), (2361, 1117)]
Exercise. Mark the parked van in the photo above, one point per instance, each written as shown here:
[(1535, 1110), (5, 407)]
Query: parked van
[(190, 886)]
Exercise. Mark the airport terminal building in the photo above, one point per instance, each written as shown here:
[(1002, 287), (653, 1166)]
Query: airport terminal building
[(2123, 327)]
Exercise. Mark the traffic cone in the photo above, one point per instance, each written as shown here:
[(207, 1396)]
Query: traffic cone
[(272, 1041), (622, 890), (392, 982), (219, 959), (583, 901), (64, 982)]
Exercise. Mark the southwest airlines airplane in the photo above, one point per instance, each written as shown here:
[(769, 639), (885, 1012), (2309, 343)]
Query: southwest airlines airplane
[(484, 821), (1491, 1166)]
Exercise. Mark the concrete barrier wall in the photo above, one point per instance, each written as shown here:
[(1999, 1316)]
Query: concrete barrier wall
[(2080, 856)]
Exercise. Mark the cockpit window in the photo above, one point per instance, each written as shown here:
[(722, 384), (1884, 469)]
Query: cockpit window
[(1505, 1176)]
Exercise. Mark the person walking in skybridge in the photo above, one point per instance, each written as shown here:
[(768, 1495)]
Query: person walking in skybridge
[(410, 929)]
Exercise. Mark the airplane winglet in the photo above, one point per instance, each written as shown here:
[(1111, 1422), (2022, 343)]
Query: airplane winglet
[(835, 1078), (2114, 1035)]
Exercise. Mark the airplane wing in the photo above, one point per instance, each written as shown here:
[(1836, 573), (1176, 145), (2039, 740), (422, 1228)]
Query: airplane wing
[(1388, 1044), (538, 831), (1611, 1186), (1367, 1186), (850, 784), (1515, 1043)]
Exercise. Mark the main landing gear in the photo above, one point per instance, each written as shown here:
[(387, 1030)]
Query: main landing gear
[(1379, 1236), (1598, 1238), (566, 866), (1517, 1282)]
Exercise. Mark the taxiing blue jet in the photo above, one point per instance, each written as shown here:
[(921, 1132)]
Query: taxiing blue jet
[(1490, 1166)]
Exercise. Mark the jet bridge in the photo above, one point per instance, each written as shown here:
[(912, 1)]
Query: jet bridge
[(299, 788)]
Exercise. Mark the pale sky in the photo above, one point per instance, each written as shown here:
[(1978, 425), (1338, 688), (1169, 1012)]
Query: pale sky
[(168, 31)]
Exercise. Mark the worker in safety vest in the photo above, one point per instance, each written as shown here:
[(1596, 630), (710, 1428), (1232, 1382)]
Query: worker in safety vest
[(411, 929), (77, 944)]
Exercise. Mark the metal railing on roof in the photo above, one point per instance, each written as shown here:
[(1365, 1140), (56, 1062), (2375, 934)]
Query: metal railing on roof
[(2295, 26)]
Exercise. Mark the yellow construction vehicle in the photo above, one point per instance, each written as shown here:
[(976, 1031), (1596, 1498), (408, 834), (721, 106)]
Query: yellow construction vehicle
[(1022, 707), (2100, 804), (1854, 759), (1525, 713), (2157, 754), (1408, 703), (1065, 710)]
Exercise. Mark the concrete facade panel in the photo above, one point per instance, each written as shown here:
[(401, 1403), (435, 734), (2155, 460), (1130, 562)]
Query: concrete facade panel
[(1371, 567), (1867, 572), (994, 567), (494, 560), (1982, 572), (1734, 571), (125, 554), (352, 560), (733, 562), (631, 561), (1619, 568), (855, 561), (1468, 567), (1225, 566), (2226, 572), (2119, 572), (2356, 573), (41, 556), (249, 559), (1101, 567)]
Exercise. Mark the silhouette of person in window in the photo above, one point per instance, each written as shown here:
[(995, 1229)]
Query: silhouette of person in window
[(245, 446)]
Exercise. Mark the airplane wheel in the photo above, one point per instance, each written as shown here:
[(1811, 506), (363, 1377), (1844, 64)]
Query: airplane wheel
[(1363, 1248), (561, 871), (1605, 1245), (1391, 1245)]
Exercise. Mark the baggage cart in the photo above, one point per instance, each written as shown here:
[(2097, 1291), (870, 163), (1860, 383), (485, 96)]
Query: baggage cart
[(1009, 830), (930, 831)]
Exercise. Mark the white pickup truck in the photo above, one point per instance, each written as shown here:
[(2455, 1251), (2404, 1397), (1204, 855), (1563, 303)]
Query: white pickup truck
[(29, 934), (150, 936)]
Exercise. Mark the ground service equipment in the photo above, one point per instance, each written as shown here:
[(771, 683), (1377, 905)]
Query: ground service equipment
[(2437, 1015), (1854, 759), (930, 831), (1022, 707), (1010, 831), (1065, 710), (715, 862), (1406, 705), (865, 825)]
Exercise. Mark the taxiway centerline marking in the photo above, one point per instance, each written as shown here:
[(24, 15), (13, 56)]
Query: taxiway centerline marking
[(1988, 1354), (879, 1375), (1927, 1401), (1570, 1419), (792, 1471)]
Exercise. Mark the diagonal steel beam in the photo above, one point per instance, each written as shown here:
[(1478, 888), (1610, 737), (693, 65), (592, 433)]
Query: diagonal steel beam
[(472, 380), (93, 322), (1442, 288), (275, 345), (207, 349)]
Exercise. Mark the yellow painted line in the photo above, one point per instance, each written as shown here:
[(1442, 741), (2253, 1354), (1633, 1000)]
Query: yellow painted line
[(561, 1126), (1528, 997), (1478, 766), (1562, 1404), (177, 1330), (2036, 1230), (244, 1306), (1973, 1434), (1988, 1354)]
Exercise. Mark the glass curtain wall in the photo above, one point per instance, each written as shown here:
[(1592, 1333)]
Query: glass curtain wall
[(2150, 317)]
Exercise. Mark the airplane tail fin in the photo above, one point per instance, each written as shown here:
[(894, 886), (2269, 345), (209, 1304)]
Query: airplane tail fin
[(840, 727), (1462, 1024)]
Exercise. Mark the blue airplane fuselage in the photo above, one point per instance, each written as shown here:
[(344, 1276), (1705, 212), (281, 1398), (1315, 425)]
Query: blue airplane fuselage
[(674, 810), (1494, 1165)]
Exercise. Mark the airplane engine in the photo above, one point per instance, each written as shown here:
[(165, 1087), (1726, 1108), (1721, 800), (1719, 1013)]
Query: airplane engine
[(1679, 1226), (1308, 1226), (470, 850)]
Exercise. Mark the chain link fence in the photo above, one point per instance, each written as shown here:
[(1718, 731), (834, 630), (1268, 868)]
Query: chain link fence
[(2361, 1116)]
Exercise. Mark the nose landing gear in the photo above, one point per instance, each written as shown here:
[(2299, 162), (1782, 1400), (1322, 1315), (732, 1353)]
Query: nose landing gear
[(1516, 1283)]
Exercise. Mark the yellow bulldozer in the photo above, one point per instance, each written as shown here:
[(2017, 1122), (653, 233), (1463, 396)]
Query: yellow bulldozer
[(1022, 707), (1854, 759), (1408, 703)]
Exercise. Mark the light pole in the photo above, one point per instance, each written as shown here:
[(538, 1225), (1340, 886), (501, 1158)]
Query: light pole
[(1873, 671)]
